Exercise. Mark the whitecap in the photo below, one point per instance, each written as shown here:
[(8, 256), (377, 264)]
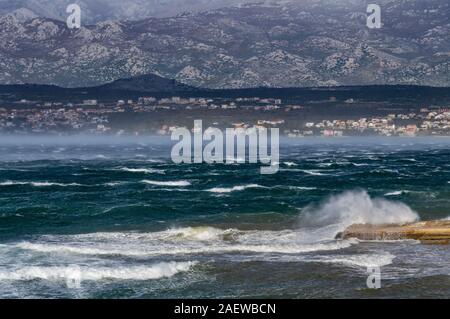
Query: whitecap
[(233, 189), (166, 183), (11, 183), (38, 184), (290, 164), (156, 271), (48, 184), (282, 248), (361, 260), (142, 170), (302, 188), (184, 241), (396, 193), (112, 184), (312, 172)]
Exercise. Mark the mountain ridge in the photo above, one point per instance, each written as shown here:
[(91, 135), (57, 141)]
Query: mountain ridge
[(12, 93), (255, 45), (147, 83), (94, 11)]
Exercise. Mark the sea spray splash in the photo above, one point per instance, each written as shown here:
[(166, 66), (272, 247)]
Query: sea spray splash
[(354, 207)]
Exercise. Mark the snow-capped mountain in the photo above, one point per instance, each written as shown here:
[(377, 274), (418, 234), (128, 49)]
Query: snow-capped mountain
[(298, 43)]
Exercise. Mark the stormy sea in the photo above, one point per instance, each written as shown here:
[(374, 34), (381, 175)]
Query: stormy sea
[(116, 218)]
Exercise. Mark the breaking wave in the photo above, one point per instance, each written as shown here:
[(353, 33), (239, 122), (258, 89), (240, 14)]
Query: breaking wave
[(313, 172), (156, 271), (183, 241), (317, 229), (233, 189), (302, 188), (113, 184), (290, 164), (168, 183), (396, 193), (355, 207), (361, 260), (142, 170), (39, 184)]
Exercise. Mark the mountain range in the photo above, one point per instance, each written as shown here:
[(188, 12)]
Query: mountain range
[(94, 11), (305, 43), (129, 88), (14, 95)]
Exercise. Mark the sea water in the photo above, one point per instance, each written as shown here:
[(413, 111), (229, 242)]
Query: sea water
[(126, 222)]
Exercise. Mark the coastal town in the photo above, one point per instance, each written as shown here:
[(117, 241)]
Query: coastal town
[(159, 116)]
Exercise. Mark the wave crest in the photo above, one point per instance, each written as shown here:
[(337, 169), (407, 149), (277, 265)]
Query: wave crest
[(157, 271), (39, 184), (233, 189), (184, 241), (167, 183), (142, 170)]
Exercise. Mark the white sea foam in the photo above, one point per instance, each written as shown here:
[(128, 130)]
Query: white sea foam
[(312, 172), (38, 184), (353, 260), (188, 249), (324, 164), (302, 188), (233, 189), (11, 183), (396, 193), (384, 170), (171, 190), (189, 240), (360, 164), (112, 184), (198, 233), (156, 271), (167, 183), (290, 164), (150, 160), (173, 234), (142, 170), (47, 184), (361, 260)]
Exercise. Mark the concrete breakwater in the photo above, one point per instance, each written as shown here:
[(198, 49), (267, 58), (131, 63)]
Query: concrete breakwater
[(427, 232)]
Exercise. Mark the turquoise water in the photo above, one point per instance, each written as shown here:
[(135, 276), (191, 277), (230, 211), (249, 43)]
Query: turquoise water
[(126, 222)]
